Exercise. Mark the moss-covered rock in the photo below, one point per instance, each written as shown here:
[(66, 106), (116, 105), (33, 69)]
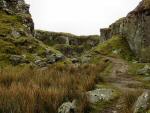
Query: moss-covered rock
[(17, 42), (68, 44), (116, 46), (52, 38), (135, 27)]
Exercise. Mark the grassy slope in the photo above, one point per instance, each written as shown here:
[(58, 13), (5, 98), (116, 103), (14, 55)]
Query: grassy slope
[(22, 45), (115, 47)]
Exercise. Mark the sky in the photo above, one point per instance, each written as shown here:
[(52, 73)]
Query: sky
[(80, 17)]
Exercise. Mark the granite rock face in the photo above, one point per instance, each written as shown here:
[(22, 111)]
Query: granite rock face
[(136, 28)]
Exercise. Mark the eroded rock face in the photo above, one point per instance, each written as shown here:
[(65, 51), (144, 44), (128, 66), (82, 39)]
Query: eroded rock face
[(14, 6), (70, 45), (53, 38), (136, 28), (17, 40)]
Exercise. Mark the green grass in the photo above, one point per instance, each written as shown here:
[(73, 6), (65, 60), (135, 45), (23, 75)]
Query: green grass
[(133, 71), (7, 22), (22, 44), (9, 48), (70, 50), (145, 54), (115, 47), (134, 67)]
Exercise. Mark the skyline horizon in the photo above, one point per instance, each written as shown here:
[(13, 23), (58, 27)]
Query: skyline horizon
[(74, 21)]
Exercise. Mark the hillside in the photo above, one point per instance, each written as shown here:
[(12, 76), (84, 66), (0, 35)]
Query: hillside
[(55, 72), (20, 46), (135, 28)]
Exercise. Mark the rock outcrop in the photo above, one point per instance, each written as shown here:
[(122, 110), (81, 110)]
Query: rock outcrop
[(17, 42), (69, 44), (136, 28), (53, 38), (21, 10)]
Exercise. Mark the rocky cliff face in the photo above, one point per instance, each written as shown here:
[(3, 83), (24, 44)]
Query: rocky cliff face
[(17, 42), (19, 9), (20, 43), (69, 44), (136, 28)]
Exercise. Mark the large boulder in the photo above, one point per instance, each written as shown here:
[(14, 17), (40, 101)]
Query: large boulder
[(136, 28), (100, 95)]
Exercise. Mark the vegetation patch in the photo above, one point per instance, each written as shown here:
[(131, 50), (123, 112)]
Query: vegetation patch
[(114, 47), (33, 90)]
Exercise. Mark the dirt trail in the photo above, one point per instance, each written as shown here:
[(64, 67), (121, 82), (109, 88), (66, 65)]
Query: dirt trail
[(119, 76), (125, 83)]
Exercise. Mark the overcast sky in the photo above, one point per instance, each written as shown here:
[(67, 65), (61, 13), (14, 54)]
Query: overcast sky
[(81, 17)]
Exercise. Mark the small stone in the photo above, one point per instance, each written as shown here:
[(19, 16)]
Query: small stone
[(75, 60), (68, 107), (15, 34), (40, 63)]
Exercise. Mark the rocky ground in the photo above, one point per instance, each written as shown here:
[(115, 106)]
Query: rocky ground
[(120, 91), (126, 85), (116, 65)]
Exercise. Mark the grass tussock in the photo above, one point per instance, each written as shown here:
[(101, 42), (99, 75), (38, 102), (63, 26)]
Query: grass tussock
[(28, 90), (130, 99)]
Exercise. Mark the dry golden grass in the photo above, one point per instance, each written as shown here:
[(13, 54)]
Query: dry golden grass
[(29, 90), (130, 99)]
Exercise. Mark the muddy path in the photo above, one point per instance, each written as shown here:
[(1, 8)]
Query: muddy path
[(125, 83)]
